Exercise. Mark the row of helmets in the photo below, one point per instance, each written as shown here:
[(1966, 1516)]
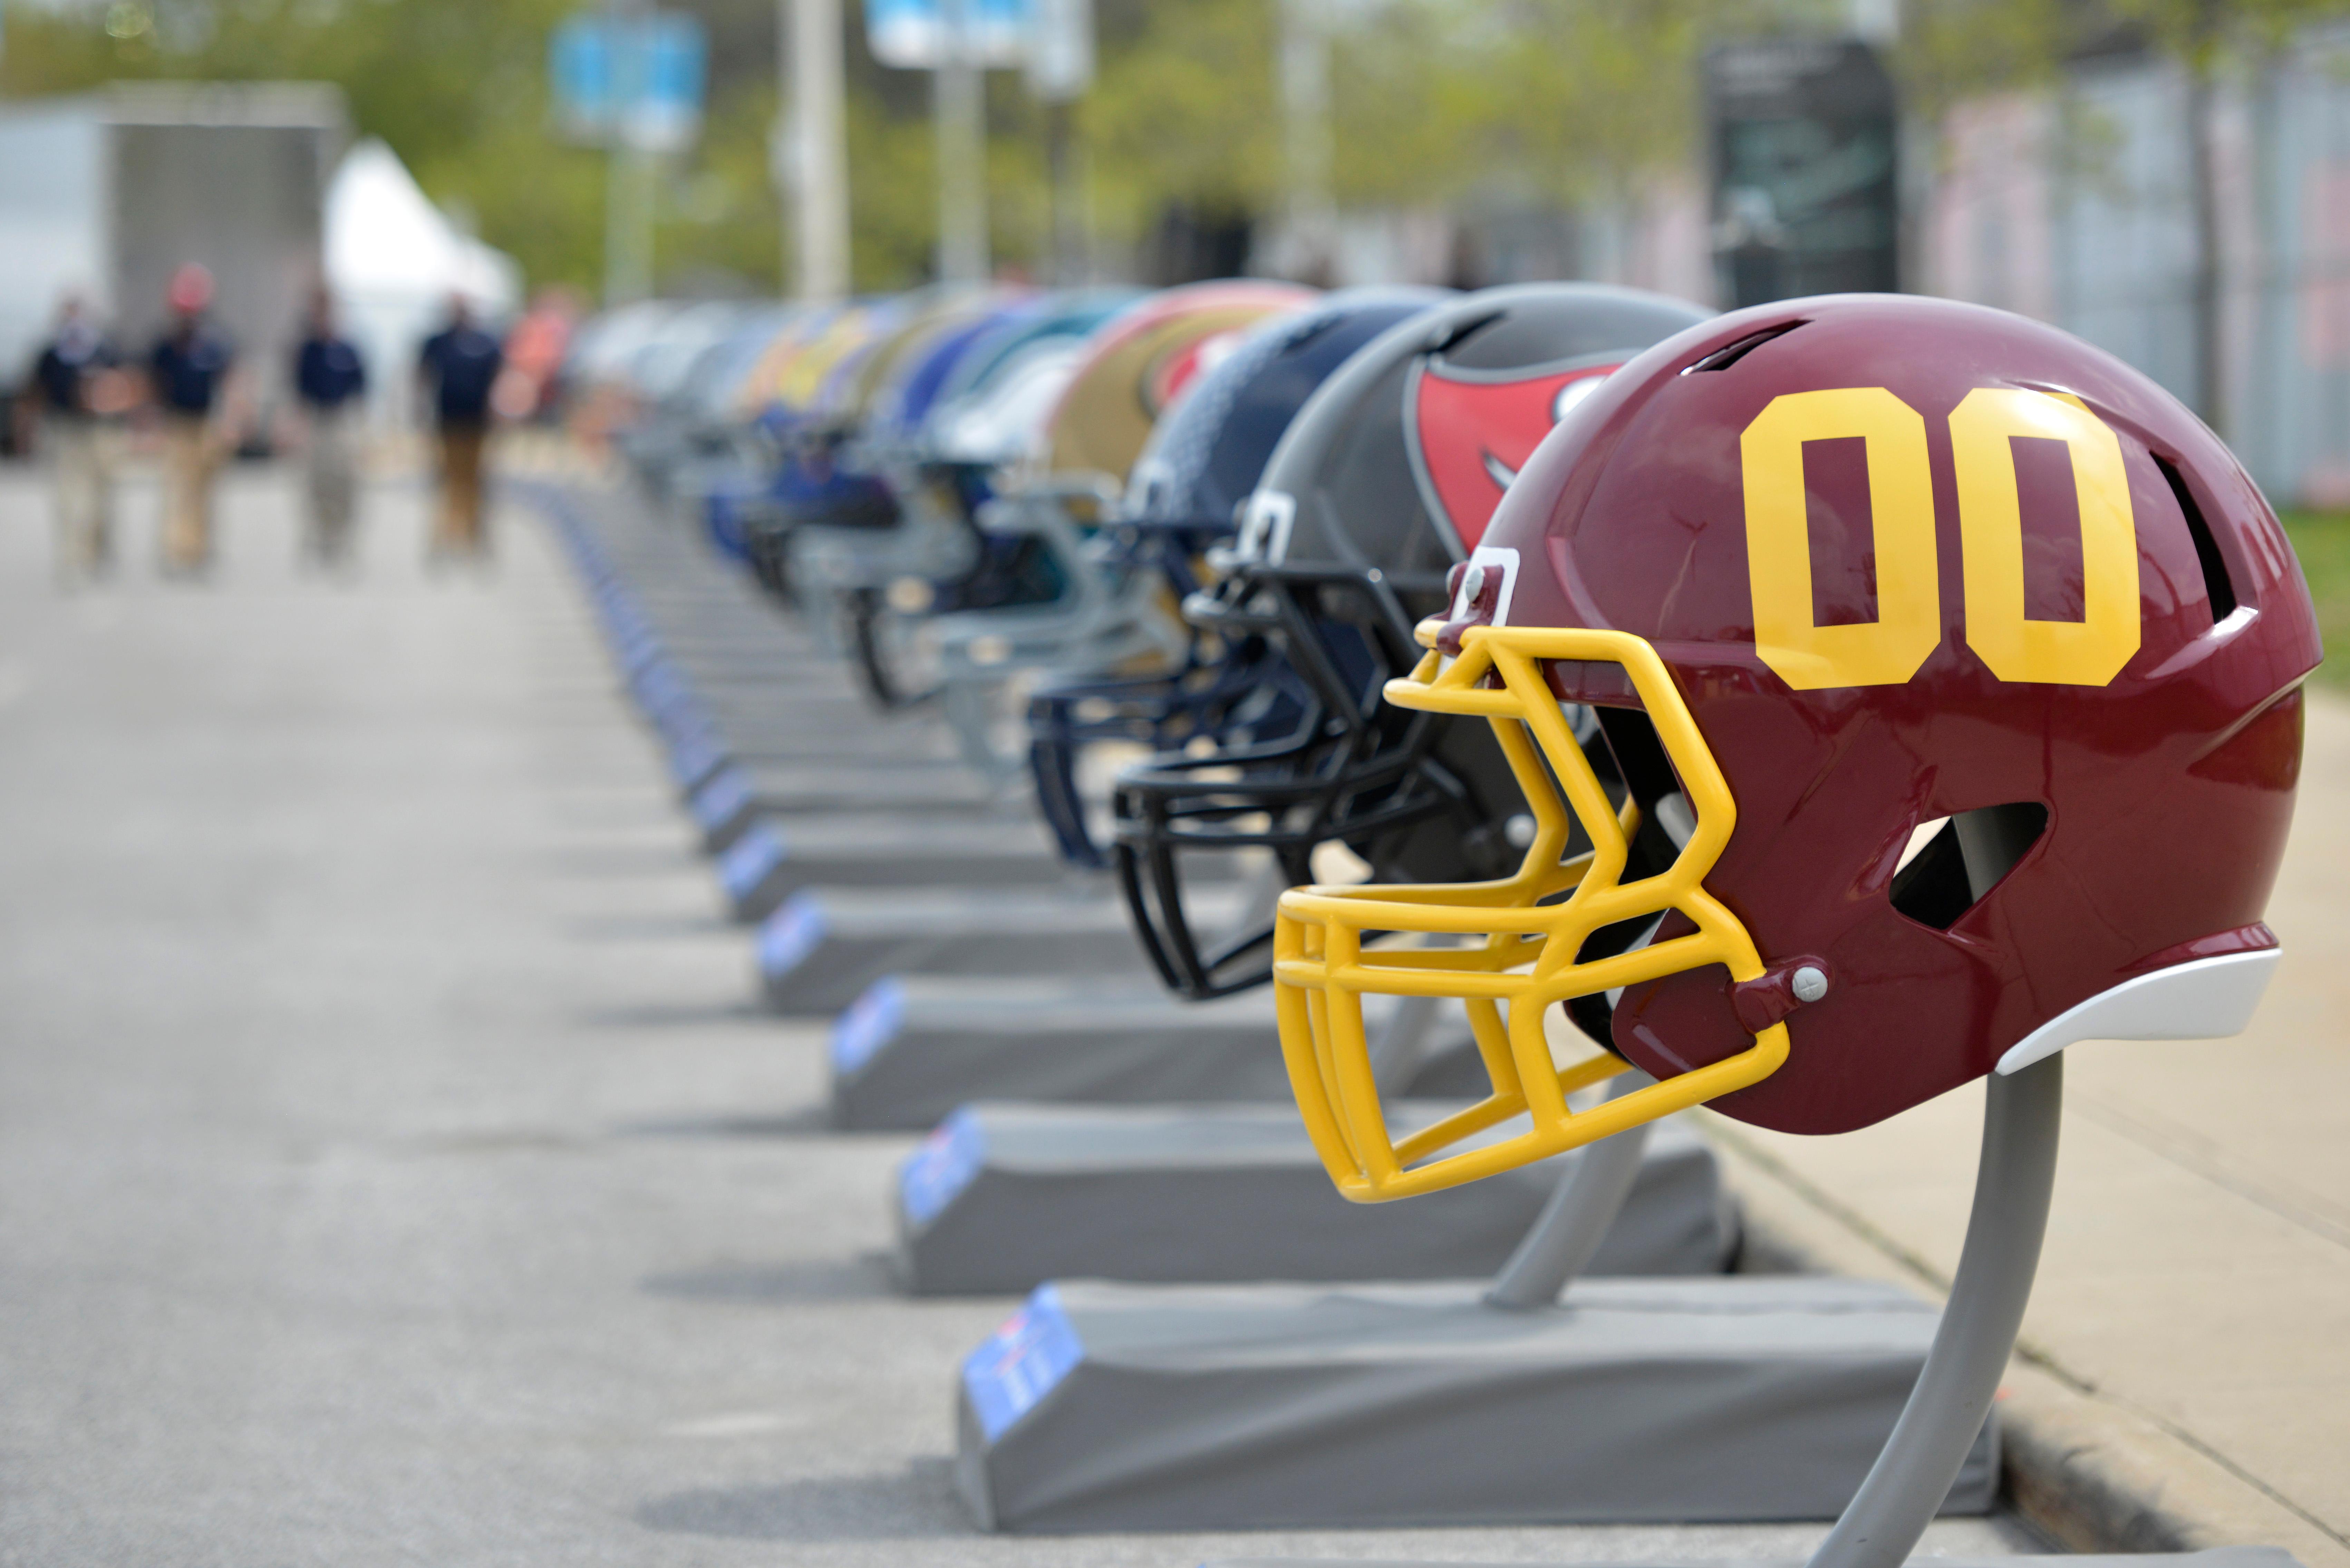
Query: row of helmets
[(1950, 615)]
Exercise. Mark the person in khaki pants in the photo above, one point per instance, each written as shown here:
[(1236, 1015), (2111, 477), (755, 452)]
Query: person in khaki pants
[(457, 367), (330, 378), (82, 392), (186, 368)]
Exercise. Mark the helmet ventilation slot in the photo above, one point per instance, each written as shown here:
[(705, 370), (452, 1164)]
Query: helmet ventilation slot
[(2222, 592), (1730, 354), (1964, 858)]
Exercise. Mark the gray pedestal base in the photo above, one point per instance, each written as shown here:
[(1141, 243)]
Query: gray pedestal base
[(912, 1049), (1002, 1197), (776, 858), (819, 951), (778, 788), (1111, 1406), (725, 804)]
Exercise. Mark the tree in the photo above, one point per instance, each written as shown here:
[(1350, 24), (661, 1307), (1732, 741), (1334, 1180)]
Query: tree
[(1954, 47)]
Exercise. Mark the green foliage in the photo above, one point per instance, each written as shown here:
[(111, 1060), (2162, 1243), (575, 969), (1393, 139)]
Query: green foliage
[(459, 90), (1434, 102), (456, 86), (894, 201), (1952, 49), (2322, 540), (1183, 113), (1560, 99)]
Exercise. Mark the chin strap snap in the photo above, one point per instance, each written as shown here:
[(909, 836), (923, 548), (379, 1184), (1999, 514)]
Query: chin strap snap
[(1778, 990), (1476, 591)]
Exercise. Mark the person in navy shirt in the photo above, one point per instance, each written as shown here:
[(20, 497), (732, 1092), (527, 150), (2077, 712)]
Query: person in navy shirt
[(330, 380), (457, 367), (80, 388), (187, 372)]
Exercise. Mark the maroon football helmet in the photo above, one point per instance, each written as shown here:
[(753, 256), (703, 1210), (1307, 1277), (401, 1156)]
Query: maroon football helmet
[(1952, 669)]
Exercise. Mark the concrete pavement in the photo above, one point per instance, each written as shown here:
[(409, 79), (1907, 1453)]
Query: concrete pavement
[(392, 1167)]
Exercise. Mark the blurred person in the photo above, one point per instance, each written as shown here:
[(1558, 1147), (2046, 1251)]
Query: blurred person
[(187, 367), (330, 378), (82, 392), (535, 349), (457, 367)]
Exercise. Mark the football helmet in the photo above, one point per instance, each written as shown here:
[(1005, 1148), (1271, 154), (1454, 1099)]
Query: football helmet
[(806, 482), (1385, 479), (1105, 616), (1953, 672), (1201, 462), (971, 405)]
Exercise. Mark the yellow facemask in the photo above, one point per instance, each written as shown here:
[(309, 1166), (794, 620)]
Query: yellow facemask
[(1511, 955)]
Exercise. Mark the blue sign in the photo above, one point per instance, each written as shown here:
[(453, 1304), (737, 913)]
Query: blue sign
[(924, 34), (751, 860), (635, 80), (790, 934), (871, 1022), (1021, 1363), (936, 1173)]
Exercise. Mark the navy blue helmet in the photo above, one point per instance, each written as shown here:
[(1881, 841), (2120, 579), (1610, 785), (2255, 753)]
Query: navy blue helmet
[(1186, 490), (1380, 485)]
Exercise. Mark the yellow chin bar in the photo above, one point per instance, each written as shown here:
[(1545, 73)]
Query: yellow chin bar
[(1322, 966)]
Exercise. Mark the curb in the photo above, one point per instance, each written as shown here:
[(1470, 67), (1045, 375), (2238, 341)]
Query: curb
[(2089, 1471)]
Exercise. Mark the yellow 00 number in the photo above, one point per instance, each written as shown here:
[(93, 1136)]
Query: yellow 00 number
[(1909, 625)]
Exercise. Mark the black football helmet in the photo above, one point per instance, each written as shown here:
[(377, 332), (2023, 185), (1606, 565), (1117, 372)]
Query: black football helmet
[(1382, 484), (1200, 465)]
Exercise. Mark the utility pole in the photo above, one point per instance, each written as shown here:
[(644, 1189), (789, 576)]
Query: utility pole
[(1069, 260), (959, 87), (628, 190), (816, 148), (1308, 152), (1060, 67)]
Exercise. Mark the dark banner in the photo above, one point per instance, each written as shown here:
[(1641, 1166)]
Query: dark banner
[(1804, 196)]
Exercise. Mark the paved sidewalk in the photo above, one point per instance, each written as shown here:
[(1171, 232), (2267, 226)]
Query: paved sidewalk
[(2191, 1321), (391, 1169)]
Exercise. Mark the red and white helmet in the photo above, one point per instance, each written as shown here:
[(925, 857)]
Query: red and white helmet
[(1946, 679)]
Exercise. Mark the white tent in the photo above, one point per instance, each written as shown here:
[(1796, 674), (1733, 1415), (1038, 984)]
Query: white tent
[(394, 259)]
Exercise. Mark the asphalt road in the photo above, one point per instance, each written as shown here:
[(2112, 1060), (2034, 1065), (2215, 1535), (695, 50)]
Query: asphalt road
[(393, 1168)]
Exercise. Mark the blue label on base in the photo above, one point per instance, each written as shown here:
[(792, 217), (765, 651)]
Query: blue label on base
[(684, 719), (751, 860), (1021, 1363), (693, 757), (936, 1173), (790, 934), (871, 1022), (725, 797), (659, 686)]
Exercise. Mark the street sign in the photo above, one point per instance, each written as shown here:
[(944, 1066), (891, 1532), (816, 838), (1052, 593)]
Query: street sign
[(634, 81), (1805, 193), (1061, 49), (924, 34)]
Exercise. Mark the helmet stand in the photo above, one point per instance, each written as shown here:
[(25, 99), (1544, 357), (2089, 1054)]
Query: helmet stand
[(1887, 1516), (1004, 994), (1202, 1173), (1276, 1406), (2012, 1179), (1563, 1241)]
